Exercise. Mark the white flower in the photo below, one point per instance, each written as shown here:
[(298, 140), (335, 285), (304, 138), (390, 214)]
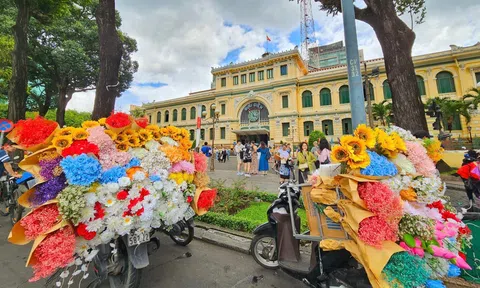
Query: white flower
[(169, 141), (124, 182), (76, 272), (91, 255), (152, 145), (113, 223), (107, 236), (64, 274), (149, 202), (158, 185), (183, 186), (139, 153), (87, 213), (127, 220), (90, 198), (78, 262), (109, 201), (94, 225), (58, 284), (139, 176), (133, 193), (113, 187), (137, 207)]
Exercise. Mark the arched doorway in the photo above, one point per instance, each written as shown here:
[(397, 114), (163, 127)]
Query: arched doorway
[(254, 122)]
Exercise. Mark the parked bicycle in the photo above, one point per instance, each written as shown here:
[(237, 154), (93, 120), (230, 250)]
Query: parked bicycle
[(11, 189)]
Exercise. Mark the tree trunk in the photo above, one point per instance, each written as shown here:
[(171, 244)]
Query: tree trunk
[(17, 93), (396, 39), (110, 57), (43, 107), (64, 96)]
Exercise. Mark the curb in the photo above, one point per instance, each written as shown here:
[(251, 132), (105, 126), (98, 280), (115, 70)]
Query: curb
[(221, 237)]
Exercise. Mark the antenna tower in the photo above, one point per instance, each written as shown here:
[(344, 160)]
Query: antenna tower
[(307, 33)]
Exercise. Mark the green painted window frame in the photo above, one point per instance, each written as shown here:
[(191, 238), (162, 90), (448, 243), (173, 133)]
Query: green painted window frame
[(192, 134), (325, 97), (421, 85), (243, 78), (344, 94), (284, 70), (175, 115), (235, 80), (261, 75), (329, 124), (193, 113), (159, 117), (223, 82), (285, 129), (307, 100), (204, 108), (222, 133), (270, 73), (223, 108), (184, 114), (347, 121), (285, 101), (167, 116), (445, 82), (387, 92), (251, 77), (372, 92), (307, 128)]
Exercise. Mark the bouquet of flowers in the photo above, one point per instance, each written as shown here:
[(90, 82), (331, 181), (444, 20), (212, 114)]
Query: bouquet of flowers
[(396, 206), (101, 181)]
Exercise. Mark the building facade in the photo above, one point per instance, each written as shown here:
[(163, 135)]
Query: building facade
[(276, 99), (329, 55)]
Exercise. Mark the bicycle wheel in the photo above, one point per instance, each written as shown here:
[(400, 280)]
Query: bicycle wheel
[(4, 206), (16, 210)]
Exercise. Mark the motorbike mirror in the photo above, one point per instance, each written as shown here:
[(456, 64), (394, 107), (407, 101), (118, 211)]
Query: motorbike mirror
[(16, 157)]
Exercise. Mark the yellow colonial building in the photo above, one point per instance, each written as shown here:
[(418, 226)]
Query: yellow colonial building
[(276, 98)]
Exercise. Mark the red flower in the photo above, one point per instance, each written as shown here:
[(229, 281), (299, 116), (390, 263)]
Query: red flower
[(82, 231), (122, 195), (133, 202), (189, 199), (207, 199), (118, 120), (462, 255), (142, 122), (79, 147), (127, 213), (140, 212), (99, 211), (32, 132), (144, 192), (447, 214), (40, 220), (464, 230), (437, 204)]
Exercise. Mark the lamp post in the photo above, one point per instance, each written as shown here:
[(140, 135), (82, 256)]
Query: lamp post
[(469, 128), (214, 118)]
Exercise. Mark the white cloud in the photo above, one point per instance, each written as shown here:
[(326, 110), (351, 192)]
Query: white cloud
[(179, 40)]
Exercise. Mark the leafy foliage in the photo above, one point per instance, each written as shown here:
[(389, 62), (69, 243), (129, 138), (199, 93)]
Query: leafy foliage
[(381, 112), (472, 98), (315, 136), (137, 112), (452, 107)]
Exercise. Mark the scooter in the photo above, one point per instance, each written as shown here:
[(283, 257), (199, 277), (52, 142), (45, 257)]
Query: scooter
[(183, 231), (277, 245)]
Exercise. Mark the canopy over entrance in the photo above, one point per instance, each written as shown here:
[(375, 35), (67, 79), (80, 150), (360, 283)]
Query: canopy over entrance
[(257, 135)]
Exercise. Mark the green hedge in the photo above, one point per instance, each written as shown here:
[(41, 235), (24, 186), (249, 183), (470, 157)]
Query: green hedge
[(228, 221)]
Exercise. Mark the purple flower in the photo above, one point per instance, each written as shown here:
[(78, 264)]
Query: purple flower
[(48, 190), (47, 167)]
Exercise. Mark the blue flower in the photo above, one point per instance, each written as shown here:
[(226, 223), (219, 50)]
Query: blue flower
[(155, 178), (112, 175), (453, 271), (379, 166), (135, 162), (434, 284), (81, 170)]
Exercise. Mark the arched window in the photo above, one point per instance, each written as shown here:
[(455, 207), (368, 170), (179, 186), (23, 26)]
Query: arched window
[(387, 93), (159, 117), (344, 94), (193, 113), (307, 99), (212, 111), (307, 128), (347, 126), (175, 115), (372, 92), (327, 127), (184, 114), (204, 108), (150, 118), (167, 116), (192, 134), (421, 85), (325, 97), (445, 83)]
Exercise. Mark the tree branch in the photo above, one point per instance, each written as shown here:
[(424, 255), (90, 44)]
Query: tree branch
[(335, 6)]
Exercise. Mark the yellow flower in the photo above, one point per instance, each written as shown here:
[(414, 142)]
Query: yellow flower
[(65, 131), (366, 134), (133, 141), (121, 139), (152, 127), (399, 143), (354, 145), (93, 187), (112, 134), (156, 135), (122, 147), (339, 154), (363, 163), (384, 141), (145, 134), (62, 142), (434, 149), (408, 194), (129, 132), (80, 134), (90, 124), (102, 121)]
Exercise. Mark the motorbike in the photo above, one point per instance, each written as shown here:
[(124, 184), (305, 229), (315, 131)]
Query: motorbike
[(276, 244), (183, 231)]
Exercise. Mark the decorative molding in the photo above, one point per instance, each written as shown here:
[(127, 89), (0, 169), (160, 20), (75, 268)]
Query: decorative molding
[(252, 95)]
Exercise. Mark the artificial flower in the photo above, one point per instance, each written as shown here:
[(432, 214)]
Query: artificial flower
[(35, 131), (380, 200), (406, 167), (417, 154), (112, 134), (133, 141), (65, 131), (50, 168), (80, 147), (121, 138), (379, 166), (408, 194), (434, 149), (156, 135), (48, 190), (200, 162), (201, 179), (40, 220), (183, 166), (405, 270), (355, 147), (79, 134), (118, 120), (339, 154), (81, 170), (71, 201), (82, 231), (361, 164), (102, 121), (142, 122), (129, 133), (366, 134), (374, 230), (145, 135), (207, 199), (90, 124), (112, 175), (62, 142), (399, 143), (122, 147)]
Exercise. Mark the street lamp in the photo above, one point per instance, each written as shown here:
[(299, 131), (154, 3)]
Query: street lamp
[(214, 118)]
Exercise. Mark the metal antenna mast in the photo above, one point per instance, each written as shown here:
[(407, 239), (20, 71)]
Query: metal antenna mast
[(307, 32)]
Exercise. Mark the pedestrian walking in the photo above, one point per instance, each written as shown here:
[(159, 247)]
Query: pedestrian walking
[(284, 170), (239, 153), (224, 155), (254, 165), (470, 177), (324, 152), (206, 150), (247, 158), (306, 163), (265, 156), (228, 154)]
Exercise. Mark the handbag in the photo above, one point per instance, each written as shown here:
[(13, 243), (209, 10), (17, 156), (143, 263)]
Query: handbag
[(303, 166)]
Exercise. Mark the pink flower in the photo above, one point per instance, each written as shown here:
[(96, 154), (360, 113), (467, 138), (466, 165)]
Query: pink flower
[(417, 154), (200, 162), (380, 200), (374, 230), (40, 221), (98, 137), (54, 252), (183, 166)]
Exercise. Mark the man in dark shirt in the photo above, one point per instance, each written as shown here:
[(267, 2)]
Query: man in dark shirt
[(5, 161)]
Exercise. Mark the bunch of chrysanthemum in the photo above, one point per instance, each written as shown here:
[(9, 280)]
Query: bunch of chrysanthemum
[(157, 164), (404, 134), (175, 154), (428, 189), (179, 135), (71, 202), (35, 131), (406, 167), (181, 177), (417, 154), (352, 151), (417, 226), (434, 149)]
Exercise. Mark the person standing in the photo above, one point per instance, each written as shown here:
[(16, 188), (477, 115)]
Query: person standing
[(470, 179), (228, 153), (239, 153), (254, 165), (224, 155), (284, 170), (306, 163), (315, 151), (247, 158), (324, 152), (206, 150), (5, 164), (264, 157)]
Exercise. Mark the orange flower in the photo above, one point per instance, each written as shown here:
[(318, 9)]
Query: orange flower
[(408, 194)]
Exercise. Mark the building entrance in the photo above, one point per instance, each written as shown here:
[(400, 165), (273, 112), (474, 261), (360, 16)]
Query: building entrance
[(256, 137)]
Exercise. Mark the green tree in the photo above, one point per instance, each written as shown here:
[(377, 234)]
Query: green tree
[(72, 118), (396, 40), (381, 112), (137, 112), (472, 98), (450, 108), (315, 136)]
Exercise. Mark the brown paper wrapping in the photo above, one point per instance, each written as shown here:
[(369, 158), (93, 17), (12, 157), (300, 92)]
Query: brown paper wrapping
[(30, 163), (14, 138), (32, 260), (193, 204), (313, 217), (332, 214), (331, 244), (324, 196), (118, 130)]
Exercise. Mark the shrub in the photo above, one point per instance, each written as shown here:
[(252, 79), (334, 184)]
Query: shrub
[(315, 136), (476, 143)]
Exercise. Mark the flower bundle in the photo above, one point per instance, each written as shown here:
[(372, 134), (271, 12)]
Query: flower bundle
[(200, 162), (32, 132), (417, 154), (105, 182), (379, 166), (434, 149)]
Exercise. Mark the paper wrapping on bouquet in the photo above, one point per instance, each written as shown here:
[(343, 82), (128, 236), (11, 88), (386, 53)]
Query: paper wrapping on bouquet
[(119, 130), (134, 124), (193, 204), (32, 260), (349, 187), (30, 163), (324, 196), (13, 136), (329, 170), (357, 173), (17, 234)]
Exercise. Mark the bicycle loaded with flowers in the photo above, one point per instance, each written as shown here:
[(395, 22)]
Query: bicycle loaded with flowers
[(113, 177), (401, 227)]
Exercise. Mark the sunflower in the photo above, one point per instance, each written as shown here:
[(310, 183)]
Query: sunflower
[(145, 134), (129, 132), (80, 134), (384, 141), (152, 127), (102, 121), (363, 163), (65, 131), (62, 142), (120, 138), (354, 145), (112, 134), (408, 194), (366, 134), (90, 124), (122, 147), (339, 154), (399, 143), (156, 135), (133, 141)]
